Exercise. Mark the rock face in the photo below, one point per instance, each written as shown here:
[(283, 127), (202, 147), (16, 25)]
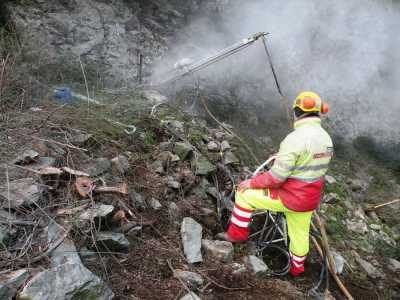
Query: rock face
[(21, 192), (191, 232), (114, 36), (221, 250)]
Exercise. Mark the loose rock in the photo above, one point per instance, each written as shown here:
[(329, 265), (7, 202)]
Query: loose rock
[(212, 191), (27, 157), (191, 296), (202, 165), (230, 158), (97, 211), (330, 179), (101, 166), (22, 192), (157, 166), (182, 149), (394, 265), (112, 241), (173, 211), (155, 204), (66, 282), (238, 268), (212, 146), (225, 146), (81, 139), (137, 201), (193, 279), (219, 135), (339, 262), (173, 184), (255, 264), (42, 163), (5, 236), (357, 185), (368, 268), (331, 198), (357, 226), (191, 233), (121, 163), (220, 250), (11, 282)]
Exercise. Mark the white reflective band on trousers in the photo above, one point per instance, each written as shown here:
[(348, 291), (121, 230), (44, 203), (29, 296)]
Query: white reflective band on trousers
[(238, 222), (241, 213), (298, 258)]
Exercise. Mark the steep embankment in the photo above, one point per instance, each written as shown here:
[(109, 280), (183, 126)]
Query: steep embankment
[(166, 179)]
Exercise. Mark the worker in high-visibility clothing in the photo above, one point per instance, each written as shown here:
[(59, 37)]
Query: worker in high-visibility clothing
[(294, 183)]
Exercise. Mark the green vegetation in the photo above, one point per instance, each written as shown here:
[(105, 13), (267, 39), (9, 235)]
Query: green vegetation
[(385, 250)]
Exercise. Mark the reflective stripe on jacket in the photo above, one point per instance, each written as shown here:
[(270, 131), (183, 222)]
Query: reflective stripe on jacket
[(297, 175)]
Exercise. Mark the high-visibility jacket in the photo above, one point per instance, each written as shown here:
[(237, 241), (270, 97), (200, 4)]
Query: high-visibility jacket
[(297, 175)]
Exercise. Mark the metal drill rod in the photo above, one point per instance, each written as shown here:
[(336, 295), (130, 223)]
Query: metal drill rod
[(205, 62)]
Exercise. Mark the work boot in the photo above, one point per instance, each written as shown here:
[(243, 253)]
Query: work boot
[(296, 271), (223, 236), (297, 264)]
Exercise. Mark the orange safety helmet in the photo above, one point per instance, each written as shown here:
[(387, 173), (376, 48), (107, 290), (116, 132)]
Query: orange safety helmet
[(310, 102)]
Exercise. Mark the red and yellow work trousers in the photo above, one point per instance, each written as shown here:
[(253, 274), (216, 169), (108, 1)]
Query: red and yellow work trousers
[(298, 223)]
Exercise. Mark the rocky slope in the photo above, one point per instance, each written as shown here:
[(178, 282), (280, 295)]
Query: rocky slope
[(152, 235), (93, 209)]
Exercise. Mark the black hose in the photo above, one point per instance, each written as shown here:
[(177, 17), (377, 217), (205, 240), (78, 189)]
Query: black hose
[(280, 272)]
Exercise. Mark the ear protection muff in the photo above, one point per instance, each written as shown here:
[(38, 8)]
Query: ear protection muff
[(325, 108)]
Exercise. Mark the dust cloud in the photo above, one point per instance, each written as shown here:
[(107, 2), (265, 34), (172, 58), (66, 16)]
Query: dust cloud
[(346, 50)]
